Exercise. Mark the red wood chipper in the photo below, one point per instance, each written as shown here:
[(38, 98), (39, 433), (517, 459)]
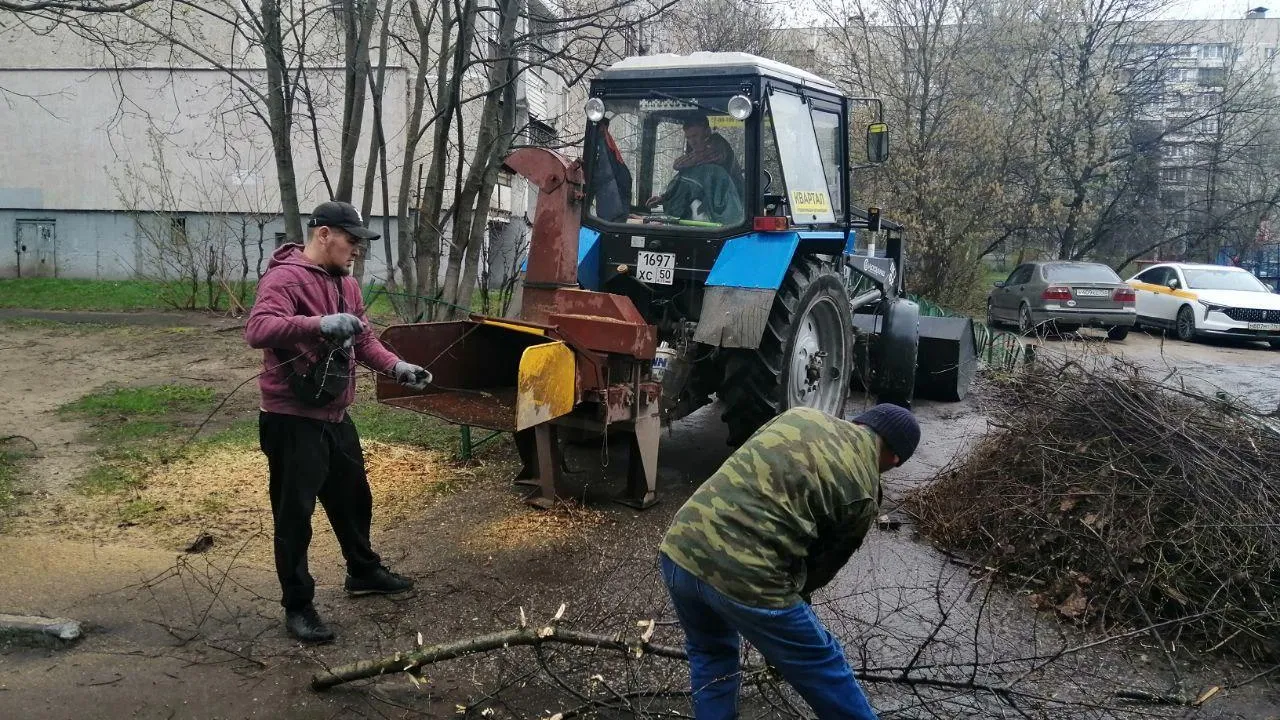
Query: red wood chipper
[(572, 358)]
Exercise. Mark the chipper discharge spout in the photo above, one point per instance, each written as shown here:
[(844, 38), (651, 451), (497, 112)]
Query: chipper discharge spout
[(572, 358)]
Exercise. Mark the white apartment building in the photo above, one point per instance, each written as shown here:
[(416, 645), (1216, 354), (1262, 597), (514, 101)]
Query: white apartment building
[(107, 148)]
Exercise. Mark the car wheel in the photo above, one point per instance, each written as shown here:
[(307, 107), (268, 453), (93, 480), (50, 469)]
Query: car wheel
[(1026, 325), (1117, 333), (1186, 324)]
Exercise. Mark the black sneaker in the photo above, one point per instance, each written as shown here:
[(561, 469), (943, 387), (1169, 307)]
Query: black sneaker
[(306, 625), (379, 581)]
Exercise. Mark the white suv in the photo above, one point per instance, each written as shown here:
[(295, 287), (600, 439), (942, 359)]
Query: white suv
[(1197, 300)]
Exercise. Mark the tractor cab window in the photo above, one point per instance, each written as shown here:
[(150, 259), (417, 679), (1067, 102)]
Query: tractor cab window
[(808, 195), (826, 126), (669, 163)]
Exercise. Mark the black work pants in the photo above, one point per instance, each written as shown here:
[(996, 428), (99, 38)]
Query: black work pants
[(313, 460)]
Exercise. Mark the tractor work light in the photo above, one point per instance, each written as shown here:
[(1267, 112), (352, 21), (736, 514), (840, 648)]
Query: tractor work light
[(594, 109), (740, 107)]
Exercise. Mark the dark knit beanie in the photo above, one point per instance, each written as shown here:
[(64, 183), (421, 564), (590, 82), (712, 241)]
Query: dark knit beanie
[(895, 425)]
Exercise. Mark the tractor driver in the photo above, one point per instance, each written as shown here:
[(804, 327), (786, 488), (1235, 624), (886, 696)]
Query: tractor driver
[(707, 172)]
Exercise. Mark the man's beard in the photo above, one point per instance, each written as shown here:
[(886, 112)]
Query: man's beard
[(338, 270)]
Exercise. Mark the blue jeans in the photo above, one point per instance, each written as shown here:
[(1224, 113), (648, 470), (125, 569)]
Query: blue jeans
[(792, 640)]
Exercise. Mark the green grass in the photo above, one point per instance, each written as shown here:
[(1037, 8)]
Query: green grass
[(69, 294), (149, 400), (376, 421), (136, 510), (242, 432), (9, 462), (105, 479)]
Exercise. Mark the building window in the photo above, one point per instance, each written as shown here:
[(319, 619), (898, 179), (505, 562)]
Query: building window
[(544, 34), (541, 134), (1174, 175), (1213, 52), (178, 230), (1213, 76)]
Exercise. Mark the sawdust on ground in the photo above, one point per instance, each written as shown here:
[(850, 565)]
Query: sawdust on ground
[(222, 491), (521, 527)]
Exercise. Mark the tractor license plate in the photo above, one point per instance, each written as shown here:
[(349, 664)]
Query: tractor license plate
[(655, 267), (1266, 327), (1093, 292)]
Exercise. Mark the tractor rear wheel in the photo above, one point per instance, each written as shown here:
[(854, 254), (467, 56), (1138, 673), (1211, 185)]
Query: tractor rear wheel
[(804, 358)]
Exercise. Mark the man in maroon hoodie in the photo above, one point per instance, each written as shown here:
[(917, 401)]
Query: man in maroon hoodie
[(309, 313)]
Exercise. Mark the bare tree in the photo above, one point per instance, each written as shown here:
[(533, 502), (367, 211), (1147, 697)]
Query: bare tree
[(721, 26)]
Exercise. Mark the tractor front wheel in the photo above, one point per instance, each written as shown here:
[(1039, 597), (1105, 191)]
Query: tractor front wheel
[(804, 358)]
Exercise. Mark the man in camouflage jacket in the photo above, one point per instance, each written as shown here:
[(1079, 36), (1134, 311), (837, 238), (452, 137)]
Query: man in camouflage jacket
[(776, 522)]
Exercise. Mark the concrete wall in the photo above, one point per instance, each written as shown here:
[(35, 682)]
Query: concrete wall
[(115, 245)]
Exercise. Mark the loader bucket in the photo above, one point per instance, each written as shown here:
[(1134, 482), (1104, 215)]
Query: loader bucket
[(948, 358), (488, 373)]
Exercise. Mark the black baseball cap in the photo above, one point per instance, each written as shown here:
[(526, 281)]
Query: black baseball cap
[(341, 215)]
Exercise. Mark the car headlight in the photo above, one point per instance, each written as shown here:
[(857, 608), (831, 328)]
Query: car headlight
[(1212, 307)]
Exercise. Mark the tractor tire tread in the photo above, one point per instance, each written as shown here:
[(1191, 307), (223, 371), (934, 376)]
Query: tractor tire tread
[(750, 390)]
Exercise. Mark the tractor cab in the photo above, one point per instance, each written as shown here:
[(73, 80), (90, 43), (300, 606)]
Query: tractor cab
[(702, 145)]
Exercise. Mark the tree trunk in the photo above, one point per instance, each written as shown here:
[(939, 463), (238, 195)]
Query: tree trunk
[(406, 235), (359, 19), (431, 220), (497, 124), (281, 119)]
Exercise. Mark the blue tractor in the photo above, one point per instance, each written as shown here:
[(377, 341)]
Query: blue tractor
[(718, 201)]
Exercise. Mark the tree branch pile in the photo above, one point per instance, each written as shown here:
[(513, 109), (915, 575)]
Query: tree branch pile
[(1121, 499)]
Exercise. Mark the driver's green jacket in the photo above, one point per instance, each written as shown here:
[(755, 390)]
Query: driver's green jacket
[(784, 513)]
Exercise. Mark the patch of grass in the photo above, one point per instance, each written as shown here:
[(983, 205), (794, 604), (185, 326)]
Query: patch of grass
[(129, 431), (215, 503), (136, 510), (8, 478), (105, 479), (68, 294), (376, 421), (103, 295), (242, 432), (149, 400)]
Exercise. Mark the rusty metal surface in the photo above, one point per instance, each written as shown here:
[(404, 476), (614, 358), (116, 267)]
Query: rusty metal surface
[(553, 246), (493, 409), (608, 335)]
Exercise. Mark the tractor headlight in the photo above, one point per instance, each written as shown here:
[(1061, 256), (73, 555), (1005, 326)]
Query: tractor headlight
[(740, 107), (594, 109)]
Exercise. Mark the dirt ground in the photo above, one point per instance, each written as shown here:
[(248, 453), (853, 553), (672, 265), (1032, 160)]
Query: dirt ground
[(177, 635)]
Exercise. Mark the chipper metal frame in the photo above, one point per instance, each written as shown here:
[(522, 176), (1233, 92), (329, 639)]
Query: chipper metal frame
[(573, 358)]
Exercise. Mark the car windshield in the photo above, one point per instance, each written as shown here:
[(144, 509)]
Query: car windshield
[(1224, 279), (1080, 273), (669, 162)]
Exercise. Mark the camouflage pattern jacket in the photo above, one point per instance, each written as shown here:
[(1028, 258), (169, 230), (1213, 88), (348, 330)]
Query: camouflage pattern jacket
[(784, 513)]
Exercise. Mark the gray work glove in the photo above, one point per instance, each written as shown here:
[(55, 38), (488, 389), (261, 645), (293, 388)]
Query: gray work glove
[(340, 326), (411, 376)]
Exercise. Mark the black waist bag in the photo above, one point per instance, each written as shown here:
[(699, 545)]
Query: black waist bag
[(326, 379), (323, 381)]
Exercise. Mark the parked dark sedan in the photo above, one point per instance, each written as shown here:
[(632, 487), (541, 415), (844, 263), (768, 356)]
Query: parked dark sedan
[(1063, 296)]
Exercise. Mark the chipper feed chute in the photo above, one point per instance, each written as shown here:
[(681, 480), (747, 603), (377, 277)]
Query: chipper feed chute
[(573, 358), (487, 373)]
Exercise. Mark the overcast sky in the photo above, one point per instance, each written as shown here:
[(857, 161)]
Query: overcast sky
[(1217, 9)]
